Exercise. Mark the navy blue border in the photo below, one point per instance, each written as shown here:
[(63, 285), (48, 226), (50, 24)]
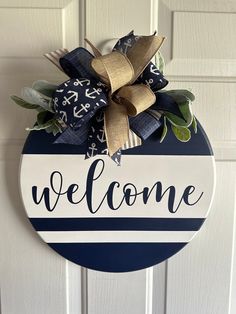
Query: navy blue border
[(105, 256), (96, 224)]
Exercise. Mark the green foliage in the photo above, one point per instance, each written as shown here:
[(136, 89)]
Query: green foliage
[(185, 109), (34, 97), (41, 117), (44, 87), (180, 95), (180, 125), (54, 128), (50, 126), (159, 62), (42, 126), (181, 133), (194, 125), (22, 103), (39, 98), (164, 131)]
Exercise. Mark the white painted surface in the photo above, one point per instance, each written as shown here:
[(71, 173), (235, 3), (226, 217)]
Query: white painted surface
[(168, 171), (201, 278), (116, 236)]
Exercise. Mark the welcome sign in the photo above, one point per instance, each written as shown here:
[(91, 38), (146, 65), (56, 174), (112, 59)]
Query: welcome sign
[(118, 218)]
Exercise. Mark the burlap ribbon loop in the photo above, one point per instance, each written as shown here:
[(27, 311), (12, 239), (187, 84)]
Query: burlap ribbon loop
[(119, 72), (114, 69), (137, 98)]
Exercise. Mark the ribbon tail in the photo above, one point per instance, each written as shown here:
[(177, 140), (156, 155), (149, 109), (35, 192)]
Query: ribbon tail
[(54, 56), (73, 137), (133, 141), (96, 141), (145, 124), (116, 126), (146, 46), (96, 52)]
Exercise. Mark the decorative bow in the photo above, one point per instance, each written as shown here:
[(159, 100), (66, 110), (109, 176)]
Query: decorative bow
[(112, 101)]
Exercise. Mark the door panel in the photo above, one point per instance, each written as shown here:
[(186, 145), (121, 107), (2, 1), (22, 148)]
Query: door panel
[(201, 57), (33, 279)]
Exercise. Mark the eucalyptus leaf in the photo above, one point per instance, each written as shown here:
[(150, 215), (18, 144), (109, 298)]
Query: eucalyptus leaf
[(32, 96), (180, 95), (194, 124), (21, 102), (44, 87), (160, 62), (181, 133), (186, 111), (164, 131)]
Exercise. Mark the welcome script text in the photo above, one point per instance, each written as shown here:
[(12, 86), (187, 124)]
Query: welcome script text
[(50, 195)]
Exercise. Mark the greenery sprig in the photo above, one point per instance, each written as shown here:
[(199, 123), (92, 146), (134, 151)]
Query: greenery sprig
[(181, 127), (39, 98)]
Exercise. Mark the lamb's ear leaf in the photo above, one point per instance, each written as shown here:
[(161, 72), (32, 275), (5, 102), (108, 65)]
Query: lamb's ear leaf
[(32, 96), (44, 87), (43, 126), (22, 103), (164, 131), (194, 124), (181, 133), (55, 128), (160, 62), (41, 117)]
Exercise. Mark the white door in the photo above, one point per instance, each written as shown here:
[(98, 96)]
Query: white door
[(200, 54)]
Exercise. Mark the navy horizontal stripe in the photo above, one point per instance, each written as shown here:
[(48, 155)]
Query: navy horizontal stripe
[(40, 142), (96, 224), (117, 257)]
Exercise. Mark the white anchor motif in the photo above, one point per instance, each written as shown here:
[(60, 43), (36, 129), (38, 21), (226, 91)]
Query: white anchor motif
[(66, 83), (95, 91), (83, 108), (101, 138), (74, 95), (60, 90), (149, 81), (105, 151), (80, 82), (127, 44), (100, 117), (63, 116), (93, 149), (154, 70), (101, 84), (102, 100), (55, 100)]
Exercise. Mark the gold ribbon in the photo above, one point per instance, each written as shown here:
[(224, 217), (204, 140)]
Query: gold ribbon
[(119, 72)]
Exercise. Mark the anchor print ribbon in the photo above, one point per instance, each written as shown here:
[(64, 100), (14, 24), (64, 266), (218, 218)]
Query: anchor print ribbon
[(111, 101)]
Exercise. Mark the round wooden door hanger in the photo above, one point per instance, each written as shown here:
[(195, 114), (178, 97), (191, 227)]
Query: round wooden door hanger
[(117, 218)]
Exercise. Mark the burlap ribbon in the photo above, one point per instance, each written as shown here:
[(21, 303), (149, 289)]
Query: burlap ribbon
[(119, 72)]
